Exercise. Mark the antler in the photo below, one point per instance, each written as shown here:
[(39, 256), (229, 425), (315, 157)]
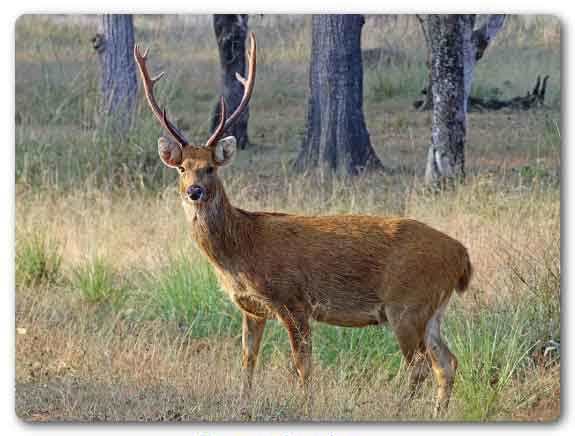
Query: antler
[(220, 129), (224, 123), (149, 83), (248, 89)]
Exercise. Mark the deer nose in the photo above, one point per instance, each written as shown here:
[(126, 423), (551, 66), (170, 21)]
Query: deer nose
[(195, 192)]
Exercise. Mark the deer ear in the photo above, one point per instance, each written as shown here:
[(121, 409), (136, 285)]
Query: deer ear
[(170, 152), (225, 150)]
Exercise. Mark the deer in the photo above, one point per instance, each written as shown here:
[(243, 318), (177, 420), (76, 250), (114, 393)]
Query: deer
[(343, 270)]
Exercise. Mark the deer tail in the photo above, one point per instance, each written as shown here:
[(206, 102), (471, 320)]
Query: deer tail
[(465, 278)]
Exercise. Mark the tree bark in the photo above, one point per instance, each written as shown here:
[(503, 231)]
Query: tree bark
[(475, 43), (231, 32), (336, 135), (446, 155), (118, 81)]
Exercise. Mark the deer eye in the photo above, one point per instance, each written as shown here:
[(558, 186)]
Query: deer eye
[(181, 170), (209, 170)]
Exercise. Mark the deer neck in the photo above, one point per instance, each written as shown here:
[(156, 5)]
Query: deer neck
[(217, 228)]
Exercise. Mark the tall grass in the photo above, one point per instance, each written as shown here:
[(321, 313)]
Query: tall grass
[(491, 348), (98, 283), (38, 260), (186, 291), (497, 330)]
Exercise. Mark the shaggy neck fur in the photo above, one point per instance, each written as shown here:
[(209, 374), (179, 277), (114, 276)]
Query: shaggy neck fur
[(218, 227)]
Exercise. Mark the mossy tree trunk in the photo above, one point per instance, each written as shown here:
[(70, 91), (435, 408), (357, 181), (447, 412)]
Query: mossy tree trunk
[(231, 32), (118, 81), (336, 136)]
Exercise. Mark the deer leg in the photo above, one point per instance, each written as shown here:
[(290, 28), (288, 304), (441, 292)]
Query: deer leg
[(443, 363), (252, 332), (299, 333), (408, 326), (420, 368)]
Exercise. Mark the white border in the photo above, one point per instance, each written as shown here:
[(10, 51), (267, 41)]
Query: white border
[(10, 12)]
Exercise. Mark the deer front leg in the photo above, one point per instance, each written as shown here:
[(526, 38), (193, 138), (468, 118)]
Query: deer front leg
[(299, 332), (252, 332)]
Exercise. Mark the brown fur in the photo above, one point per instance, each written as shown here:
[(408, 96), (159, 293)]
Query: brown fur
[(343, 270)]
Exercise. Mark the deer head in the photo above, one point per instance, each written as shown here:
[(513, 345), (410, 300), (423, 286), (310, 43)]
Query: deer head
[(197, 164)]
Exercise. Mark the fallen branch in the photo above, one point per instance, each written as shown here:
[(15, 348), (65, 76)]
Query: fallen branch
[(532, 99)]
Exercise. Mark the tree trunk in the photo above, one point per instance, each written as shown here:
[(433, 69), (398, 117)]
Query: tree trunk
[(446, 158), (475, 43), (231, 32), (118, 82), (336, 135)]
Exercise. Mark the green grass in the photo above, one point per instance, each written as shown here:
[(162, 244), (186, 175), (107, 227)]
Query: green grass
[(353, 349), (490, 348), (385, 83), (186, 291), (98, 283), (38, 260)]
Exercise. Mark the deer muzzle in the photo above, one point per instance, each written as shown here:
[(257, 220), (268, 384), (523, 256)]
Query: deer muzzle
[(195, 192)]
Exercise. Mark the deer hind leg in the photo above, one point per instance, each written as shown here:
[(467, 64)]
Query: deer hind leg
[(420, 368), (408, 325), (299, 333), (252, 332), (443, 362)]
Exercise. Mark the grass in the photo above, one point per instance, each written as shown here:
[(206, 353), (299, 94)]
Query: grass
[(491, 349), (189, 294), (498, 330), (38, 260), (382, 84), (96, 281), (120, 318)]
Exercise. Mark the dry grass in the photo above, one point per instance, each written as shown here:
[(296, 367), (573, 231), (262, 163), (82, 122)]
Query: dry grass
[(85, 361), (68, 369), (147, 373), (107, 326)]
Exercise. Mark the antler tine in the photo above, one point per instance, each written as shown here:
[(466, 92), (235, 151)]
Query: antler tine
[(158, 77), (137, 49), (247, 83), (149, 91), (220, 129)]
